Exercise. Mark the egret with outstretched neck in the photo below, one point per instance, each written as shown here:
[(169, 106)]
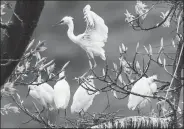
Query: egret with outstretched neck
[(94, 38)]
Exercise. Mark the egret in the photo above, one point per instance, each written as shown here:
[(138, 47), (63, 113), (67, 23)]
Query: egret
[(44, 94), (144, 86), (82, 98), (94, 38), (61, 93)]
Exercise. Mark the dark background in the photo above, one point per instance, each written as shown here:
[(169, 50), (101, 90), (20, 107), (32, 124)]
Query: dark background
[(62, 49)]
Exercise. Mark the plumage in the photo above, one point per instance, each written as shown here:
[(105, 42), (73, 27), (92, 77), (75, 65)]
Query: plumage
[(95, 35), (44, 94), (144, 86), (82, 98), (61, 93)]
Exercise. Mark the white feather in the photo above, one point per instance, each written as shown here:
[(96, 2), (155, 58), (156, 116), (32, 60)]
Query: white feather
[(44, 94), (144, 86), (81, 99), (61, 94), (95, 35)]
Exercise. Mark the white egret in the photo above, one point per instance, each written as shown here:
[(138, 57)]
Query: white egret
[(144, 86), (82, 98), (94, 37), (43, 93), (61, 93)]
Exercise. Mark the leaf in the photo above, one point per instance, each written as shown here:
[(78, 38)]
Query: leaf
[(50, 69), (41, 49), (38, 56), (161, 44), (46, 65), (123, 47), (115, 66), (91, 67), (7, 106), (65, 65), (137, 65), (30, 45), (137, 46), (27, 65), (14, 109), (18, 96), (114, 93), (120, 78), (173, 43), (120, 50), (159, 61), (103, 72), (39, 79), (40, 62), (41, 46), (146, 50), (164, 63), (150, 50)]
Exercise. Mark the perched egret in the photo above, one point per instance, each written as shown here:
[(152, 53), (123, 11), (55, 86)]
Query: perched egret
[(94, 37), (61, 92), (82, 98), (43, 93), (144, 86)]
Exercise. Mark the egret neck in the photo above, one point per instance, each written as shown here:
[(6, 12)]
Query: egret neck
[(70, 31)]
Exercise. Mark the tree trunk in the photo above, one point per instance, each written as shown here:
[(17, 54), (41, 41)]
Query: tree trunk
[(17, 36), (175, 94)]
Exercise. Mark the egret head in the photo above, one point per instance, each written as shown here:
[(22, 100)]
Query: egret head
[(87, 7), (65, 20), (152, 78)]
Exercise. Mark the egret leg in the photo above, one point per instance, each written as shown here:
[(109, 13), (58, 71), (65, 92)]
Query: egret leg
[(92, 56), (65, 119)]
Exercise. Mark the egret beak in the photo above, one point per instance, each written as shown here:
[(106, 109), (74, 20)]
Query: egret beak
[(59, 23), (28, 92)]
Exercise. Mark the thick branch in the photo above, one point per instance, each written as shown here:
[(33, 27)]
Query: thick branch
[(136, 122), (16, 38)]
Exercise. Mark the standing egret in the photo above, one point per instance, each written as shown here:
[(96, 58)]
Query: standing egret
[(61, 93), (82, 98), (44, 94), (94, 37), (144, 86)]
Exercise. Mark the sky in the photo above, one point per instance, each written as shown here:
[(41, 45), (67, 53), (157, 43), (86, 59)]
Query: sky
[(61, 49)]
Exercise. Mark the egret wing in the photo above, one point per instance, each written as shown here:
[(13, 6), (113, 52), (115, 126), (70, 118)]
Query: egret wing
[(96, 30)]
